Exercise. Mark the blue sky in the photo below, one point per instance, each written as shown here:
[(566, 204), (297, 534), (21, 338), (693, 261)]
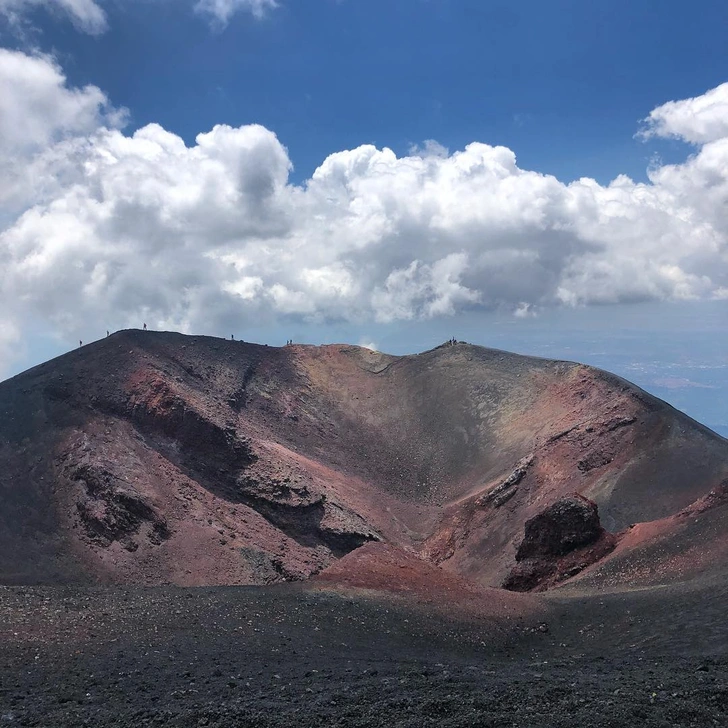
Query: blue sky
[(562, 83), (284, 222)]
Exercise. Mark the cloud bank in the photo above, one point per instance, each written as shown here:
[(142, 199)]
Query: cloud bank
[(103, 229)]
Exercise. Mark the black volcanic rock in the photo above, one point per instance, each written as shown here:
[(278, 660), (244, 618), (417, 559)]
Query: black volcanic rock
[(559, 543), (568, 524)]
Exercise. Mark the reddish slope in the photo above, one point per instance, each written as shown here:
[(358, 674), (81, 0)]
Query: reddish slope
[(156, 457), (636, 457), (380, 568)]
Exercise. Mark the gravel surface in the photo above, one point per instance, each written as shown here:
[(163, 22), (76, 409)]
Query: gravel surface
[(290, 656)]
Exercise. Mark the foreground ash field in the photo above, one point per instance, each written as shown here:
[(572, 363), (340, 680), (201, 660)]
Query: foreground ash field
[(204, 532)]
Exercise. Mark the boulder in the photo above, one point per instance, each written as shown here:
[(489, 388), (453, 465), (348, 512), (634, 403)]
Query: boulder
[(559, 543), (570, 523)]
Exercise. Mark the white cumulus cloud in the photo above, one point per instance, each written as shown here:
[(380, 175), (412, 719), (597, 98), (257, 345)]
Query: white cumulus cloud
[(698, 120), (38, 109), (101, 229), (44, 126)]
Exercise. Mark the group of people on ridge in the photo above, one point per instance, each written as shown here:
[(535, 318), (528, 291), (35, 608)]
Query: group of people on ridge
[(80, 342)]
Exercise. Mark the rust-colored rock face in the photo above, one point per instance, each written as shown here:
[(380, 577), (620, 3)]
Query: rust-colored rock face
[(158, 458)]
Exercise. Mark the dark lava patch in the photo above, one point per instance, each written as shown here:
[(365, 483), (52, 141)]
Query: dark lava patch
[(560, 542)]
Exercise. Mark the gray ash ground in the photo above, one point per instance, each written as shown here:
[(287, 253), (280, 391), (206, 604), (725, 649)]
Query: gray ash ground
[(288, 655)]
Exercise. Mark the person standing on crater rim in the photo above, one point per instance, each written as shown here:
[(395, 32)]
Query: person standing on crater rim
[(145, 327)]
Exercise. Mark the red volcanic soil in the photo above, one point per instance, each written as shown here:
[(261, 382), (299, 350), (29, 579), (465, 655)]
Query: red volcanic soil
[(382, 568), (157, 458)]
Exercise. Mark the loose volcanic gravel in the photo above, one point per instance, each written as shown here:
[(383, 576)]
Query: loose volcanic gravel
[(290, 656)]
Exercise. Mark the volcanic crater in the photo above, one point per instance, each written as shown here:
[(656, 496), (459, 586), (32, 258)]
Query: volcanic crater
[(458, 537), (158, 458)]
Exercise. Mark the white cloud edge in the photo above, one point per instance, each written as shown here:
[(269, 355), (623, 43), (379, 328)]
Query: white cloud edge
[(698, 120)]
